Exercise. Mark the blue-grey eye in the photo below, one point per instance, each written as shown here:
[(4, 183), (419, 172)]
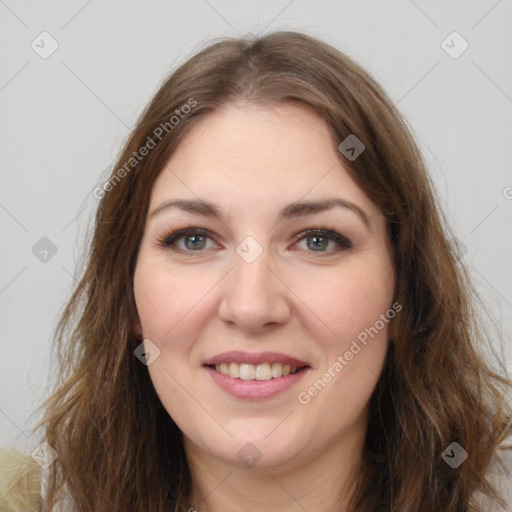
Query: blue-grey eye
[(317, 243), (195, 242), (188, 240), (323, 241)]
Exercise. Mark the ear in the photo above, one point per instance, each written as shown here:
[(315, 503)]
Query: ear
[(137, 327)]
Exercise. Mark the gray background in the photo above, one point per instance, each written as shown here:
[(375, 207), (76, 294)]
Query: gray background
[(64, 118)]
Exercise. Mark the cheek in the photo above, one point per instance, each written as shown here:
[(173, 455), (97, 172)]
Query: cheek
[(166, 300), (348, 300), (164, 297), (356, 305)]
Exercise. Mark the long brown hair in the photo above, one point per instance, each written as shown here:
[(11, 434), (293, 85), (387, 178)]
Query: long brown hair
[(119, 449)]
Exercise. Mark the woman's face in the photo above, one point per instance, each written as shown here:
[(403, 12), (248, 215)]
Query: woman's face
[(285, 269)]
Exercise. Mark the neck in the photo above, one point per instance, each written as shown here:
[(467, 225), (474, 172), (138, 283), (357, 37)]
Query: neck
[(322, 483)]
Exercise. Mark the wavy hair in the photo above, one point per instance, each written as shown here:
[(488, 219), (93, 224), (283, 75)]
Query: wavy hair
[(118, 447)]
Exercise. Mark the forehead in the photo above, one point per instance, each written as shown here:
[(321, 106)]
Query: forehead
[(278, 136), (258, 154)]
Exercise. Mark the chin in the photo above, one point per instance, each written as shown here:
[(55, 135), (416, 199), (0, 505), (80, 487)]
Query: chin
[(252, 450)]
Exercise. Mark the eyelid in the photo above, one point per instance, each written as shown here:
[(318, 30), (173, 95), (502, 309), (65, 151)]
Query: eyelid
[(168, 240), (343, 242)]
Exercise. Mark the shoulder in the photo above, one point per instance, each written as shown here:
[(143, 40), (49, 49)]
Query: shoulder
[(500, 476), (20, 479), (20, 482), (505, 465), (504, 471)]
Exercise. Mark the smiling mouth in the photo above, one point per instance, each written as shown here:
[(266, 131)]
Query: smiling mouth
[(264, 371)]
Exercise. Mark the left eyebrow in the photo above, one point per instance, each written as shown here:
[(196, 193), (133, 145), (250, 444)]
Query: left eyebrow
[(292, 210), (302, 208)]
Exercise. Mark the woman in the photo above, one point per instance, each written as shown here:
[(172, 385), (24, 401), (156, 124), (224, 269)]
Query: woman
[(271, 317)]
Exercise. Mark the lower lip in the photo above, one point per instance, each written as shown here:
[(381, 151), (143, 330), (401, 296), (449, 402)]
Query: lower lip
[(255, 389)]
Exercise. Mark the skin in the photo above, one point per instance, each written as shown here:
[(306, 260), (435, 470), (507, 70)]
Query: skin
[(252, 161)]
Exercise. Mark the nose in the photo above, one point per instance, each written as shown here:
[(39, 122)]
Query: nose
[(253, 298)]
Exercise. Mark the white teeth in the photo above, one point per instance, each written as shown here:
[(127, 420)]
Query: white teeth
[(277, 370), (264, 371), (234, 370), (247, 372)]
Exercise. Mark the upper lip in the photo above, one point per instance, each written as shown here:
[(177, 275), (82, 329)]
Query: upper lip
[(254, 358)]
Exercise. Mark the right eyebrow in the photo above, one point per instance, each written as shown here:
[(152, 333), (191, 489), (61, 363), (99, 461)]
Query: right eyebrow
[(189, 205)]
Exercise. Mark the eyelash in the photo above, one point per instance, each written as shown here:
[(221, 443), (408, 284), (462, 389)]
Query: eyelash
[(169, 240)]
